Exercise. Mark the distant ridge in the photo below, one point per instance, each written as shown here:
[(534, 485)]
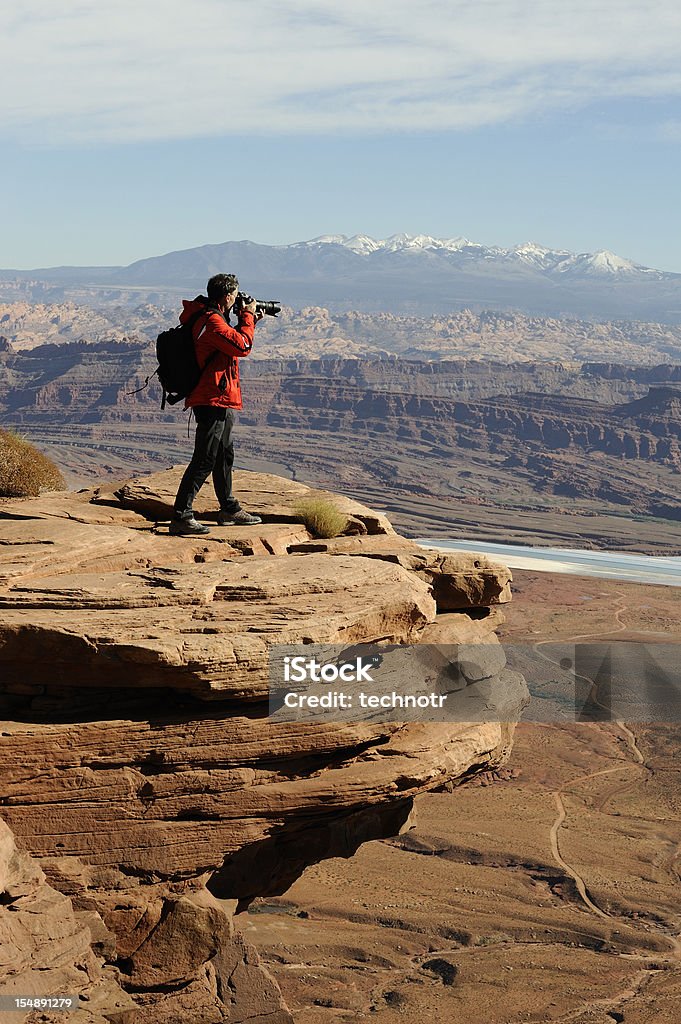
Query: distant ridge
[(406, 274), (560, 260)]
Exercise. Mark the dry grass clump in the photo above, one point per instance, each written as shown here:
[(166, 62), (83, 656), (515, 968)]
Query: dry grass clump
[(24, 471), (321, 517)]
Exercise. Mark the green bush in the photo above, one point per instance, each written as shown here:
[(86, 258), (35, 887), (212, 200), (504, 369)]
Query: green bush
[(321, 517), (24, 471)]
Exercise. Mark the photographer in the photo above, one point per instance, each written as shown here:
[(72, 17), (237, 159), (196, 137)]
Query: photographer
[(219, 346)]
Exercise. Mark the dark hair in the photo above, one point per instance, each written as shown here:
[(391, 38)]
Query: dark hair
[(221, 285)]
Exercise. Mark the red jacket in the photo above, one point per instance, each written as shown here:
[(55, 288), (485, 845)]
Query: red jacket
[(219, 384)]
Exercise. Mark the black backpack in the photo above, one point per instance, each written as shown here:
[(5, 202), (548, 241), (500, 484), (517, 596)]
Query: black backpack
[(178, 370)]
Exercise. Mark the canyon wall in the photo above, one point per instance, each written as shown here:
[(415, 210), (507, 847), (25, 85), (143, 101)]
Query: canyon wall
[(584, 437)]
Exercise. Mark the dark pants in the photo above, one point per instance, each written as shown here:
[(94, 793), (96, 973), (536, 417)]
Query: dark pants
[(213, 453)]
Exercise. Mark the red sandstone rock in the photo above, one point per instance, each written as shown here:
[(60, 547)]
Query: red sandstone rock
[(134, 796), (46, 946), (460, 579)]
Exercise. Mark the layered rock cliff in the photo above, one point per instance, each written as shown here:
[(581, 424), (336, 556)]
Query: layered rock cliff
[(141, 772), (549, 420), (315, 331)]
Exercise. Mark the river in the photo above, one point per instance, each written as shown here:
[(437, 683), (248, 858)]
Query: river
[(604, 564)]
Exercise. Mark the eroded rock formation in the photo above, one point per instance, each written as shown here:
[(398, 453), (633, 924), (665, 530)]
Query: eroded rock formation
[(48, 948), (579, 436), (316, 331), (140, 769)]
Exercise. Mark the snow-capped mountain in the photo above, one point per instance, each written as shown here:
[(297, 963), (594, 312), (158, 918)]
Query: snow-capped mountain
[(363, 244), (538, 255), (406, 274), (395, 243), (529, 253), (602, 262)]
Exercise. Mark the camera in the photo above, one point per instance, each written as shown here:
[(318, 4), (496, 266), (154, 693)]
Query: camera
[(266, 307)]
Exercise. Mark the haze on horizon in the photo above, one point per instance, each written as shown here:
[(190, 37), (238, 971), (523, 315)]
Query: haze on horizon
[(153, 126)]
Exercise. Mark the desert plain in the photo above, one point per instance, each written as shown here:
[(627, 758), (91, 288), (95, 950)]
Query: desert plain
[(548, 891)]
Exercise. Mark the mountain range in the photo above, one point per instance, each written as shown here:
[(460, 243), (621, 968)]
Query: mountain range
[(529, 253), (409, 274)]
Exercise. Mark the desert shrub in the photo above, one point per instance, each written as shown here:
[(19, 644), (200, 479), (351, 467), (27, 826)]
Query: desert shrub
[(321, 517), (24, 471)]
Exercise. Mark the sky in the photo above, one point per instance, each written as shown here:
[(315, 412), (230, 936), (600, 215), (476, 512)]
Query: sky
[(147, 126)]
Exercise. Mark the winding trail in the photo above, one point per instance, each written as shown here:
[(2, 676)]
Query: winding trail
[(616, 1003), (558, 795), (555, 848), (644, 975)]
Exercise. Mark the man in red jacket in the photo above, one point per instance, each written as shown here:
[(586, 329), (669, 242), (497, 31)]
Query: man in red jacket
[(219, 347)]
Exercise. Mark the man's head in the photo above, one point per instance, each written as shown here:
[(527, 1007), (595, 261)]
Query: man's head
[(222, 290)]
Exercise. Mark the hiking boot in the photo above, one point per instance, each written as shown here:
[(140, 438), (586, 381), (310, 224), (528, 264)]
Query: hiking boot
[(187, 528), (239, 518)]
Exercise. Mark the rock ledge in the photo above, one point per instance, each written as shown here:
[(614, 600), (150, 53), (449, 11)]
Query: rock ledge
[(141, 772)]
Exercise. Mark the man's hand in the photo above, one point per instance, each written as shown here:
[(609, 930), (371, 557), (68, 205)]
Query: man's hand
[(258, 314), (249, 307)]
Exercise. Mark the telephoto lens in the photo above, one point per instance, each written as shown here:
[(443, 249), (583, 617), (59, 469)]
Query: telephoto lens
[(265, 307), (270, 307)]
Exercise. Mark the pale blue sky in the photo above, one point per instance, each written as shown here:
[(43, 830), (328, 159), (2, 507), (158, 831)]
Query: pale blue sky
[(160, 124)]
